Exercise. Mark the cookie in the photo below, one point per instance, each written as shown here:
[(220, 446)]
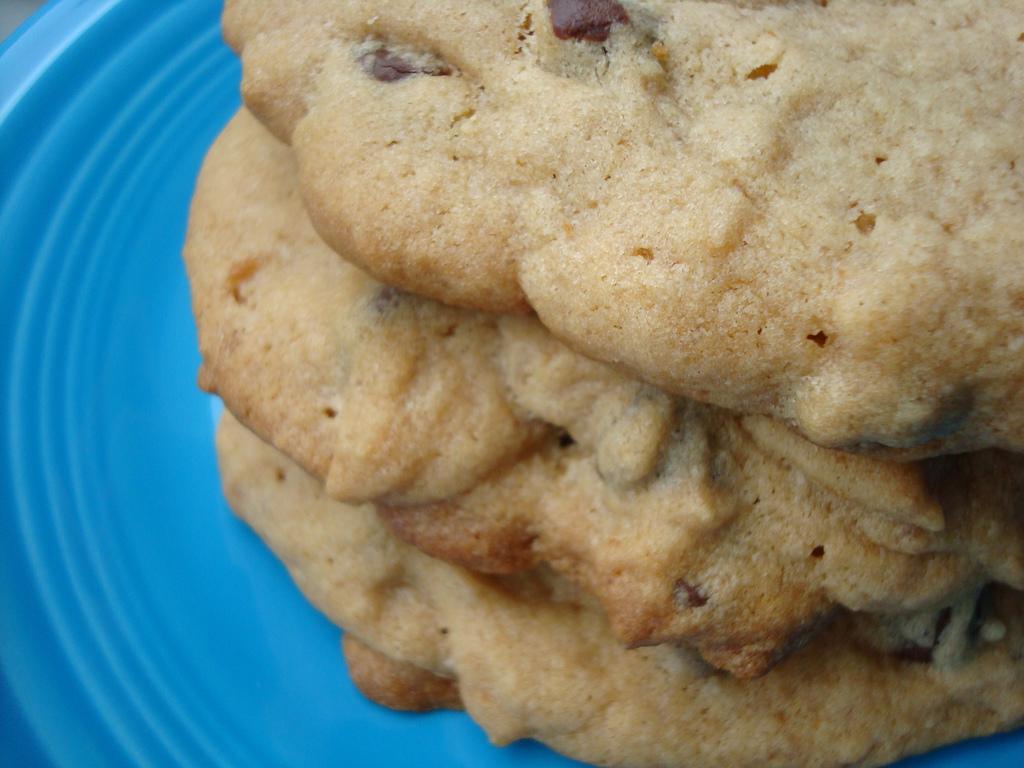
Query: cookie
[(532, 657), (928, 637), (658, 506), (381, 394), (808, 210), (744, 539)]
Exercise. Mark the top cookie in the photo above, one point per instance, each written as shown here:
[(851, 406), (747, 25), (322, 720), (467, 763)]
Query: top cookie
[(808, 210)]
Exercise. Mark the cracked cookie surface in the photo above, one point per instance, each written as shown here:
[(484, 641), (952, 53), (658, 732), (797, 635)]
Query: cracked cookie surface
[(739, 543)]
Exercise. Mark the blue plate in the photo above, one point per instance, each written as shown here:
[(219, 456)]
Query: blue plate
[(140, 623)]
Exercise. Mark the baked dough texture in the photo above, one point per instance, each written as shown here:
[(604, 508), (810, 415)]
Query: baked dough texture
[(384, 395), (489, 443), (533, 657), (808, 210)]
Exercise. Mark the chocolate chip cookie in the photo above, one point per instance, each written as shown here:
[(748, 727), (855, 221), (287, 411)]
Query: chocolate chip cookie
[(809, 210), (688, 522), (532, 657)]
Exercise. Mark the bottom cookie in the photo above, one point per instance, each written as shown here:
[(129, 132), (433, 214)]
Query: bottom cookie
[(534, 657)]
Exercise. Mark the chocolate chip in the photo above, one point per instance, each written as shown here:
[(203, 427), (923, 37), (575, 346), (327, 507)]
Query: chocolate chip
[(388, 67), (982, 608), (915, 654), (387, 298), (585, 19), (565, 440), (942, 622), (688, 596), (818, 552)]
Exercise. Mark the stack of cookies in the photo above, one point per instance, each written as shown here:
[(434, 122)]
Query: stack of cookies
[(646, 378)]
